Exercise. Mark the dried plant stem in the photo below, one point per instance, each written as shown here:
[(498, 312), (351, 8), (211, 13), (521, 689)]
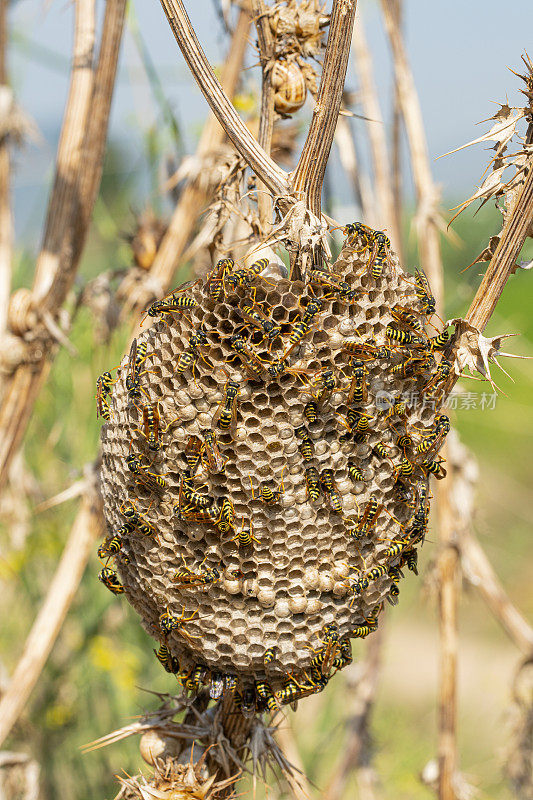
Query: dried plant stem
[(264, 167), (309, 173), (88, 526), (362, 702), (266, 119), (64, 201), (78, 171), (448, 577), (396, 158), (298, 783), (427, 195), (503, 261), (193, 197), (6, 226), (376, 135), (477, 568)]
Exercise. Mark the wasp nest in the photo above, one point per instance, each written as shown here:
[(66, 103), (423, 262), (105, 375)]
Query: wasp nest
[(265, 467)]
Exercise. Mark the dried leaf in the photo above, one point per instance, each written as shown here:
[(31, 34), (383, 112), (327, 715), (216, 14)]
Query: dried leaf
[(475, 352), (501, 132)]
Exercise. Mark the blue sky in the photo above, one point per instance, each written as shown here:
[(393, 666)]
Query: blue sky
[(459, 53)]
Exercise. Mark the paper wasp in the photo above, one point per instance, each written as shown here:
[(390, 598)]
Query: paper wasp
[(245, 536), (193, 453), (215, 282), (225, 416), (169, 662), (252, 363), (322, 385), (109, 578), (266, 494), (435, 437), (358, 387), (152, 429), (378, 256), (173, 302), (266, 695), (434, 467), (405, 317), (211, 456), (187, 577), (303, 326), (255, 316), (110, 547), (332, 284), (305, 445), (169, 622), (354, 472), (325, 655), (369, 626), (406, 339), (329, 487), (312, 483), (244, 277), (439, 377), (311, 412), (189, 357), (103, 387), (226, 520), (151, 480)]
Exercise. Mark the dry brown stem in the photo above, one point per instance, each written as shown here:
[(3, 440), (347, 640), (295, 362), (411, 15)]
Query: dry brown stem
[(513, 236), (193, 197), (362, 701), (448, 581), (76, 183), (298, 783), (261, 163), (376, 136), (427, 218), (6, 227), (88, 526), (266, 119), (309, 173), (478, 570), (396, 157)]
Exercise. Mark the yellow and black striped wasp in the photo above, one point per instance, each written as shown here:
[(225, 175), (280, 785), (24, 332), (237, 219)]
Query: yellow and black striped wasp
[(245, 536), (434, 438), (169, 622), (366, 523), (193, 453), (354, 229), (305, 445), (325, 655), (312, 482), (322, 385), (406, 317), (216, 685), (189, 357), (329, 487), (266, 695), (198, 499), (169, 662), (357, 425), (266, 494), (355, 472), (137, 356), (332, 284), (439, 342), (111, 546), (245, 276), (226, 519), (409, 558), (358, 392), (439, 378), (423, 293), (173, 302), (137, 520), (225, 416), (103, 387), (406, 339), (303, 326), (254, 366), (255, 316), (311, 412), (206, 576), (151, 425), (414, 366), (379, 255), (109, 578), (215, 283), (369, 626), (212, 458), (434, 467), (151, 480)]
